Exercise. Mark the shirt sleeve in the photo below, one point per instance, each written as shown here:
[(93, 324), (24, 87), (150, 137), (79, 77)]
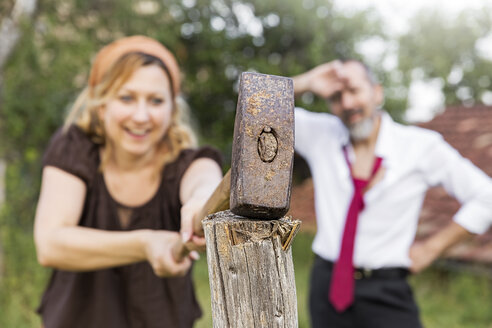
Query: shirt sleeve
[(311, 128), (73, 152), (176, 170), (190, 155), (302, 128), (463, 180)]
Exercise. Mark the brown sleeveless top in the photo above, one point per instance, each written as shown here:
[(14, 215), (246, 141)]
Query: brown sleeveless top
[(129, 296)]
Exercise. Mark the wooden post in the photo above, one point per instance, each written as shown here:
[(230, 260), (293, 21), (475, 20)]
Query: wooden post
[(251, 271)]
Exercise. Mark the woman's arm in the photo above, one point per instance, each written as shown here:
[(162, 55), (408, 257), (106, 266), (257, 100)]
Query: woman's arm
[(62, 244), (197, 185)]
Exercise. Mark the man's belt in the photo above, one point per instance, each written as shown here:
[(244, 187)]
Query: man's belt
[(363, 273)]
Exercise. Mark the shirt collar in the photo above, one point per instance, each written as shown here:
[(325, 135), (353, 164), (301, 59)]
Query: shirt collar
[(384, 143)]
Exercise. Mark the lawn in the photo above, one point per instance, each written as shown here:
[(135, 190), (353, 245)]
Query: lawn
[(447, 299)]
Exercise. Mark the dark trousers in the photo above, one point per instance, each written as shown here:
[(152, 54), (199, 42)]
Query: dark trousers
[(382, 300)]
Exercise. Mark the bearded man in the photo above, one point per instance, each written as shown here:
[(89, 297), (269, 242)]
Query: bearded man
[(370, 177)]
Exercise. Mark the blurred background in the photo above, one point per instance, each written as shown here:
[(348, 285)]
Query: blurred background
[(433, 58)]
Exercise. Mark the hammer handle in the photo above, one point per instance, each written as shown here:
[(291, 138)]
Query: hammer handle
[(218, 201)]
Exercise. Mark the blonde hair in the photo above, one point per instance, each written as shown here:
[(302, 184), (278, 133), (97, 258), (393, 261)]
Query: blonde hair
[(84, 112)]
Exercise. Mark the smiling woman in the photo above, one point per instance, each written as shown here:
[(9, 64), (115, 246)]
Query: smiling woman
[(139, 115), (120, 180)]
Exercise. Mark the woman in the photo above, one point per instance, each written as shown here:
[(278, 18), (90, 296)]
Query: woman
[(119, 181)]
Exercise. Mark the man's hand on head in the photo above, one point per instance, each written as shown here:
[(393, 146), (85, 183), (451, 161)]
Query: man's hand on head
[(324, 80)]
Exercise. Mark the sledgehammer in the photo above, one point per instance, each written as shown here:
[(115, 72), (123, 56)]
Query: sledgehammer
[(258, 185)]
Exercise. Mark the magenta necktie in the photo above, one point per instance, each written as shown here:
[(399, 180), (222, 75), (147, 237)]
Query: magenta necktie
[(342, 282)]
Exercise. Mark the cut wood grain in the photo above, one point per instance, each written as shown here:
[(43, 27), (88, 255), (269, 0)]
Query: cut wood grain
[(251, 271)]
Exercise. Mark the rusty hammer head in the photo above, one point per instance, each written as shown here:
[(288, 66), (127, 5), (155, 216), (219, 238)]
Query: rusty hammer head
[(263, 147)]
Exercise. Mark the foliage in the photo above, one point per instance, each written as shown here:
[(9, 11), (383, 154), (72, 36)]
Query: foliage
[(214, 41), (211, 40), (23, 281), (449, 53), (6, 7)]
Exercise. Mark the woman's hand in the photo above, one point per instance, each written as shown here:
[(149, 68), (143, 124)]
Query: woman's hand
[(197, 185), (158, 245), (189, 212)]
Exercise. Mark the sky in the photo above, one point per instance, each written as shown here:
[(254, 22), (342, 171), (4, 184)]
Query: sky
[(425, 98), (396, 12)]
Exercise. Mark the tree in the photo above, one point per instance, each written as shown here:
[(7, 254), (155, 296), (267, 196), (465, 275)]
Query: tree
[(10, 33), (214, 41), (10, 28), (445, 48)]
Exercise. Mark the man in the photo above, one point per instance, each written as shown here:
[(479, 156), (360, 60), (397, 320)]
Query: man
[(370, 176)]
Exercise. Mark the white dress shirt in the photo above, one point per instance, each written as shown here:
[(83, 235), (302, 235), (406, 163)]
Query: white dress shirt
[(414, 160)]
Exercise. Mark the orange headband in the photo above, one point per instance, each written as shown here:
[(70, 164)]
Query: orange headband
[(108, 55)]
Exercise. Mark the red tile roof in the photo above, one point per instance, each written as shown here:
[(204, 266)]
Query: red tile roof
[(469, 130)]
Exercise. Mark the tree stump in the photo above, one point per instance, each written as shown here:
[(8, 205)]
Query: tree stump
[(251, 271)]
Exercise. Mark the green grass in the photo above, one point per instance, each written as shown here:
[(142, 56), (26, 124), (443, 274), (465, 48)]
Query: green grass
[(453, 300), (23, 282), (447, 299)]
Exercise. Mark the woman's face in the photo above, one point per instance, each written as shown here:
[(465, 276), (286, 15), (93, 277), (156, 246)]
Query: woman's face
[(137, 118)]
